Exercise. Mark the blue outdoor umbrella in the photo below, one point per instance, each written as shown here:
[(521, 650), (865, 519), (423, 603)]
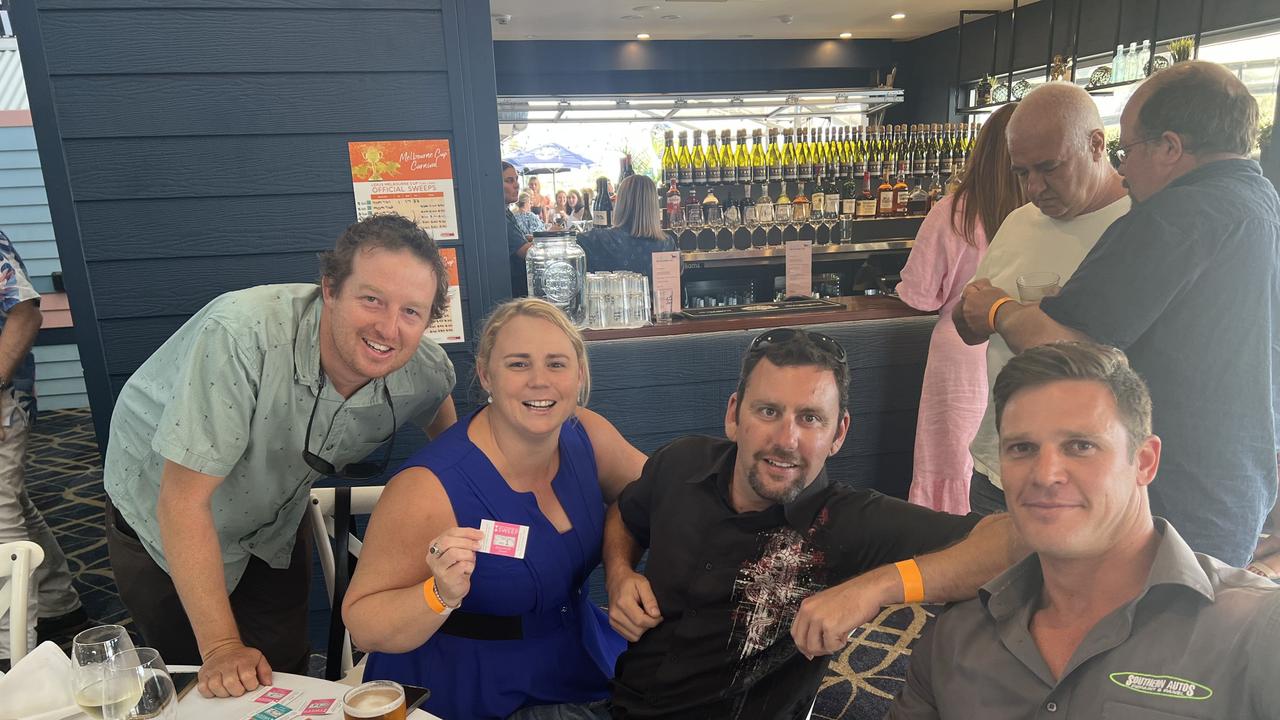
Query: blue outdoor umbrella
[(550, 158)]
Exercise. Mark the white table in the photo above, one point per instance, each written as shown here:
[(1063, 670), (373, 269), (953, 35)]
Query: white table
[(194, 706)]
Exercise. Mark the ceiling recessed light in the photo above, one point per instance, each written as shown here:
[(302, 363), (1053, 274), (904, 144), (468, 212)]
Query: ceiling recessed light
[(898, 16), (642, 36), (670, 17), (645, 8), (846, 35), (631, 17)]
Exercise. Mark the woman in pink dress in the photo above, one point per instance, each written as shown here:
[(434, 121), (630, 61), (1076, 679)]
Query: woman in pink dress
[(944, 258)]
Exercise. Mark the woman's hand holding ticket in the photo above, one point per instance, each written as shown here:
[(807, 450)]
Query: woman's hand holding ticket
[(452, 558)]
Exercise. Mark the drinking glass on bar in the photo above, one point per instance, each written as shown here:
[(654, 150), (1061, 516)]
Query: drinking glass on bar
[(143, 669), (374, 700), (1033, 287)]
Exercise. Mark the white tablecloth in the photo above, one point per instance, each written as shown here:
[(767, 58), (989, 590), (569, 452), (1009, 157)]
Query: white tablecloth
[(194, 706)]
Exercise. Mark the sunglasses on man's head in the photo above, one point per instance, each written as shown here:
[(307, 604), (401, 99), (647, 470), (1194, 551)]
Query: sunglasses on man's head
[(778, 336), (352, 471)]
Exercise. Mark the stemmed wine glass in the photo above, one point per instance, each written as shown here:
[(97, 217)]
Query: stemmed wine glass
[(143, 668), (91, 653)]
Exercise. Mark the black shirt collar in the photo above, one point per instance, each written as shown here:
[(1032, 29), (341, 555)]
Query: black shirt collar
[(799, 513)]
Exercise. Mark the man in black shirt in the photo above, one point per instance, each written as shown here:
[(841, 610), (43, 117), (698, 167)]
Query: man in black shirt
[(518, 243), (1188, 285), (746, 591)]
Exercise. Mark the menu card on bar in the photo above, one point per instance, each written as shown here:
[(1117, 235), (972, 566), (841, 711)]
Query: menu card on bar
[(666, 284), (800, 268)]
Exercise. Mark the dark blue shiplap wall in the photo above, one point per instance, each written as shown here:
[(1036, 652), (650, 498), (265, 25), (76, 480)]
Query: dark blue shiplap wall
[(192, 148)]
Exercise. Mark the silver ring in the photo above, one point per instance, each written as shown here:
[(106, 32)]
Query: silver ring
[(434, 549)]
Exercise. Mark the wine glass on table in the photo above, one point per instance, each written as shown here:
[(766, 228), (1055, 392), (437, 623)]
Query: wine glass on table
[(91, 654), (142, 668)]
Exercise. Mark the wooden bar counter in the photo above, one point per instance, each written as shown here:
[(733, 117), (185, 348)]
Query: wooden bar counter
[(661, 382)]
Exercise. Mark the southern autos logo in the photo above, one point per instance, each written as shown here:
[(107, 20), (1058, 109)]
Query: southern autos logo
[(1162, 686)]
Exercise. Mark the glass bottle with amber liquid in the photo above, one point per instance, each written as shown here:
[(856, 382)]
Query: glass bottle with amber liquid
[(901, 192), (818, 207), (884, 197), (866, 203), (674, 215), (918, 200)]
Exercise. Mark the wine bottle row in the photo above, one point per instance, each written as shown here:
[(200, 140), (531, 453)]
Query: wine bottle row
[(795, 154)]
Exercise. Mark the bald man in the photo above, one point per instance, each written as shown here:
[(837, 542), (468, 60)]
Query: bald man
[(1058, 151), (1188, 285)]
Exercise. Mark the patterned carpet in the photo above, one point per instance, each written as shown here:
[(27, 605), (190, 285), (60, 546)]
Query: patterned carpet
[(64, 479)]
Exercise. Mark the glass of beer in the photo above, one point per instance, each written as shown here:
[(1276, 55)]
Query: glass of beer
[(374, 700), (1037, 286)]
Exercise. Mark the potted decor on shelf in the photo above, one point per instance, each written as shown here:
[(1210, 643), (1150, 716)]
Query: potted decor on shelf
[(1181, 49)]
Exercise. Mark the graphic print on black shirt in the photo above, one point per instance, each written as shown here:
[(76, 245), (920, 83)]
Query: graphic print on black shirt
[(766, 597)]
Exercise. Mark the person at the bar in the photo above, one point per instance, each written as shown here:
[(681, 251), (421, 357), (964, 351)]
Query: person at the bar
[(636, 233), (1057, 148), (759, 566), (525, 219), (490, 634), (217, 437), (1113, 616), (573, 205), (518, 241), (1188, 284), (950, 242)]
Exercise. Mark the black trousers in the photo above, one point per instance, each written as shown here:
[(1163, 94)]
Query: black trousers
[(270, 605)]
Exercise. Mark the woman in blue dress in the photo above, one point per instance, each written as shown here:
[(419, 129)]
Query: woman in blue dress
[(491, 634)]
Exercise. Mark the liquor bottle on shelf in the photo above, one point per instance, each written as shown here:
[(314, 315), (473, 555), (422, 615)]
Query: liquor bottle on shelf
[(849, 199), (698, 160), (831, 155), (885, 195), (759, 161), (710, 202), (945, 158), (857, 164), (918, 200), (931, 150), (818, 199), (742, 158), (865, 201), (714, 176), (782, 210), (800, 206), (764, 205), (684, 168), (675, 216), (901, 193), (831, 200), (810, 169), (626, 170), (935, 189), (728, 169), (920, 152), (790, 164), (693, 210), (669, 169), (773, 158), (602, 206)]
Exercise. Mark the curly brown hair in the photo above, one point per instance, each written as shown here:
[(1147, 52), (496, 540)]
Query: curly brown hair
[(389, 232)]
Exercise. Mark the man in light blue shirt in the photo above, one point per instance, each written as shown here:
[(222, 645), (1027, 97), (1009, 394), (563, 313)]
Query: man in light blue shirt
[(216, 440)]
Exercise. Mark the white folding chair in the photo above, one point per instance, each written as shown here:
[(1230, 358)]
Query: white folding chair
[(331, 512), (18, 562)]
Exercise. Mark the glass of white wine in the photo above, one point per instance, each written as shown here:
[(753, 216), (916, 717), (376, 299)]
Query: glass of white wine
[(142, 668), (91, 654)]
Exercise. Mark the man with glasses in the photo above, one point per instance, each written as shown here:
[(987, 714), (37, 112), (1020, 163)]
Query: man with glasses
[(216, 440), (1058, 151), (747, 588), (1188, 285)]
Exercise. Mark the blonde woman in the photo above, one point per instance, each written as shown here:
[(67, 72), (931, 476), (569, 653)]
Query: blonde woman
[(636, 233), (492, 634)]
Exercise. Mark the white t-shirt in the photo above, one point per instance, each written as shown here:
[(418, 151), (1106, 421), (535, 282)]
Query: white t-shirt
[(1030, 241)]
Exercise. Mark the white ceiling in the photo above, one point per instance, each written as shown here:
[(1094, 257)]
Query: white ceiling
[(726, 19)]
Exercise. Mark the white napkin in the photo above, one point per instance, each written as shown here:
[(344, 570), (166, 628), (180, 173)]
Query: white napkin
[(38, 687)]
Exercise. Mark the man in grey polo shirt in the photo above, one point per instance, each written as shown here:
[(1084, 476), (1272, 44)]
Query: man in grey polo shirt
[(216, 439), (1113, 616)]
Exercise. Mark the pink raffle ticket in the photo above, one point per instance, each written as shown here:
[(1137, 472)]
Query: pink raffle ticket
[(506, 539)]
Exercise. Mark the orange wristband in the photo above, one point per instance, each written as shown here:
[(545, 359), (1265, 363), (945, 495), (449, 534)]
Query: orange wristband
[(995, 308), (912, 582), (432, 595)]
